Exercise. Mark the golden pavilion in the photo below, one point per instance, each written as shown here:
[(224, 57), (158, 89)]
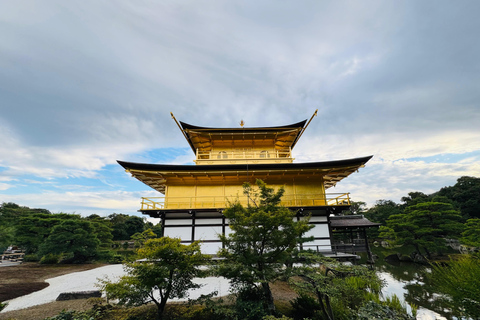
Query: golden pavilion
[(192, 197)]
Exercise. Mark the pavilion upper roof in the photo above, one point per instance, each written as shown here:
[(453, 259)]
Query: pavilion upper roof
[(205, 138)]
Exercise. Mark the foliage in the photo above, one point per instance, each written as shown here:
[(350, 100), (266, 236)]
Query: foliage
[(72, 236), (465, 196), (213, 310), (33, 229), (374, 310), (379, 213), (460, 281), (249, 303), (414, 198), (125, 226), (102, 229), (166, 273), (50, 258), (3, 305), (394, 303), (334, 284), (425, 226), (262, 240), (140, 238), (70, 315), (388, 235), (356, 207), (305, 306), (382, 210), (471, 235), (7, 234)]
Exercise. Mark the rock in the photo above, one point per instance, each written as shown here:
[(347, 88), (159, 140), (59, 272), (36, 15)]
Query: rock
[(418, 258), (79, 295), (393, 257), (405, 258)]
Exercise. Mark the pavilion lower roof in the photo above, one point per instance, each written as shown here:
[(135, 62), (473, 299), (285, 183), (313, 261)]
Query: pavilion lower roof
[(157, 176)]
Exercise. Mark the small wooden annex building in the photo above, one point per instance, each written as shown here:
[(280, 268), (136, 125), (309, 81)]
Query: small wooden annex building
[(192, 197)]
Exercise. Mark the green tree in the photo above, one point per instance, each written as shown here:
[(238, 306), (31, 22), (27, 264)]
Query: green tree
[(167, 273), (465, 193), (356, 207), (141, 238), (382, 210), (471, 235), (379, 213), (426, 225), (414, 198), (7, 234), (33, 229), (125, 226), (460, 281), (262, 240), (73, 236), (103, 230)]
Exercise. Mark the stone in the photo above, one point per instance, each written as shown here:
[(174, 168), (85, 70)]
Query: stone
[(79, 295)]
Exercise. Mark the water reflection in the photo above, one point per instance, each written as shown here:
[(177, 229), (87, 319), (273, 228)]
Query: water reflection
[(410, 282)]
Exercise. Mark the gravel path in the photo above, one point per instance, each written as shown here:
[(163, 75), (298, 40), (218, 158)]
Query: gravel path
[(86, 280)]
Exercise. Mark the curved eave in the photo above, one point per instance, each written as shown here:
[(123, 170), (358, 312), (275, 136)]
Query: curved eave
[(186, 126), (240, 167), (155, 175), (202, 138)]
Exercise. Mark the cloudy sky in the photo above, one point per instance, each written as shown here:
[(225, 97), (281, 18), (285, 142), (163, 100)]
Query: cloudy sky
[(86, 83)]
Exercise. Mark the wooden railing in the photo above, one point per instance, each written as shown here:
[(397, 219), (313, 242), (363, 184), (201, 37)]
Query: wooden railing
[(219, 202), (240, 155)]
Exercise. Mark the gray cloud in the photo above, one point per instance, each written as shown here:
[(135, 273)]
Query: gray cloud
[(86, 83)]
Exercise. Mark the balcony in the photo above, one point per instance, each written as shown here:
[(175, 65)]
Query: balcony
[(220, 202), (211, 157)]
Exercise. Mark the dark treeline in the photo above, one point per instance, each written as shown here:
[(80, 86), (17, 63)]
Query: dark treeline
[(70, 238), (425, 222)]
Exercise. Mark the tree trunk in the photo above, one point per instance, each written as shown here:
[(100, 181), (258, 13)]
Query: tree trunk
[(269, 297), (161, 308), (324, 308)]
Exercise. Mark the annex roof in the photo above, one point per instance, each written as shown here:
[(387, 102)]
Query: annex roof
[(353, 221), (157, 175)]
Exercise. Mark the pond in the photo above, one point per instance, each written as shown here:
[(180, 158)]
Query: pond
[(409, 282)]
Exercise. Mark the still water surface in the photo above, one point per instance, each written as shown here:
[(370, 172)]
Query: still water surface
[(409, 282)]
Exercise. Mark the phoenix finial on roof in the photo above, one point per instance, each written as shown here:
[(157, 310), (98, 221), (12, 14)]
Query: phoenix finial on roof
[(242, 123)]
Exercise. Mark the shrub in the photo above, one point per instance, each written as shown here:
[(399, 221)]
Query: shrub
[(305, 307), (116, 259), (31, 258), (249, 304), (50, 259)]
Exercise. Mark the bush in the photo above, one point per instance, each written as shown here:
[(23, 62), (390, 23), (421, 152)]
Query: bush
[(116, 259), (249, 304), (305, 307), (3, 305), (31, 258), (50, 259), (375, 310), (104, 255)]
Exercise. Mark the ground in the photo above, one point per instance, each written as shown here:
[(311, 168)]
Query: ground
[(19, 280)]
